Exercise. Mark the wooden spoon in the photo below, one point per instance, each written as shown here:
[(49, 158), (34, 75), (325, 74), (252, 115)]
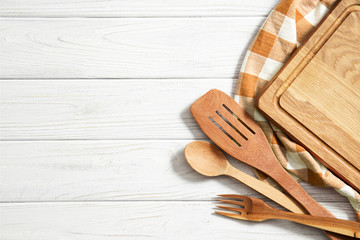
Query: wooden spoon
[(207, 159)]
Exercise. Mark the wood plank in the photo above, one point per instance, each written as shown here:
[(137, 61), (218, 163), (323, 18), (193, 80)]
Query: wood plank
[(141, 8), (140, 220), (124, 47), (113, 170), (99, 109)]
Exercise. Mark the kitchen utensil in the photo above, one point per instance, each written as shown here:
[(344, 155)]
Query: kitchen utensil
[(207, 159), (235, 132), (315, 97), (254, 209)]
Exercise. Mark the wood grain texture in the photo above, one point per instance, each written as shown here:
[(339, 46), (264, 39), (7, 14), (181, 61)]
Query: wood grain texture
[(62, 173), (140, 220), (318, 89), (342, 86), (140, 8), (139, 170), (124, 47), (254, 209), (207, 159), (234, 131), (102, 109)]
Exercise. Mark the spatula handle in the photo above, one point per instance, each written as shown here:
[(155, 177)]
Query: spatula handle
[(314, 208), (291, 186)]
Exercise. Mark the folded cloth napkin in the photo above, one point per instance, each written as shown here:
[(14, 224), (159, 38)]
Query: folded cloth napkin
[(284, 30)]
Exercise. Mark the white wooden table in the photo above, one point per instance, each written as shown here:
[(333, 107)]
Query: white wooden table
[(95, 98)]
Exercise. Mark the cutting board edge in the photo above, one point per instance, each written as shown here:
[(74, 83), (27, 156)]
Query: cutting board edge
[(267, 99)]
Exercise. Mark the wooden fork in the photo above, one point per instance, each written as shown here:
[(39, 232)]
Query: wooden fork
[(254, 209)]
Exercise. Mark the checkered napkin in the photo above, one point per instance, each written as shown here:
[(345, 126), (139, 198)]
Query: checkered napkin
[(282, 32)]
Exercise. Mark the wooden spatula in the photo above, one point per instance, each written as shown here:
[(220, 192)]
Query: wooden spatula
[(234, 131)]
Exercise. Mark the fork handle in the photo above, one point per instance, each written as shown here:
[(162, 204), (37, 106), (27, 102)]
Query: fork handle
[(344, 227)]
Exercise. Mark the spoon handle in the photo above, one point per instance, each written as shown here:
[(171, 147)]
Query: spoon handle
[(265, 189)]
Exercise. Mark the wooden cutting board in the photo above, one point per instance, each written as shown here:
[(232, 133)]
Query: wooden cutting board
[(315, 97)]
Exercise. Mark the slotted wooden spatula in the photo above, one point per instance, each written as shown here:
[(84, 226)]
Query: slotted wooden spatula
[(234, 131)]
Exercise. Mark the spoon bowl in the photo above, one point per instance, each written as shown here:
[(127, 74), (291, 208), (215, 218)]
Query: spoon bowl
[(206, 158)]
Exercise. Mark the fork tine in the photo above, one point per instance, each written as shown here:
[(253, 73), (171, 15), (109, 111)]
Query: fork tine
[(231, 202), (234, 196), (230, 215), (230, 208)]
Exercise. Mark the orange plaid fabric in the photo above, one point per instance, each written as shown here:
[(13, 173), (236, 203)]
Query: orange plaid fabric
[(282, 32)]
